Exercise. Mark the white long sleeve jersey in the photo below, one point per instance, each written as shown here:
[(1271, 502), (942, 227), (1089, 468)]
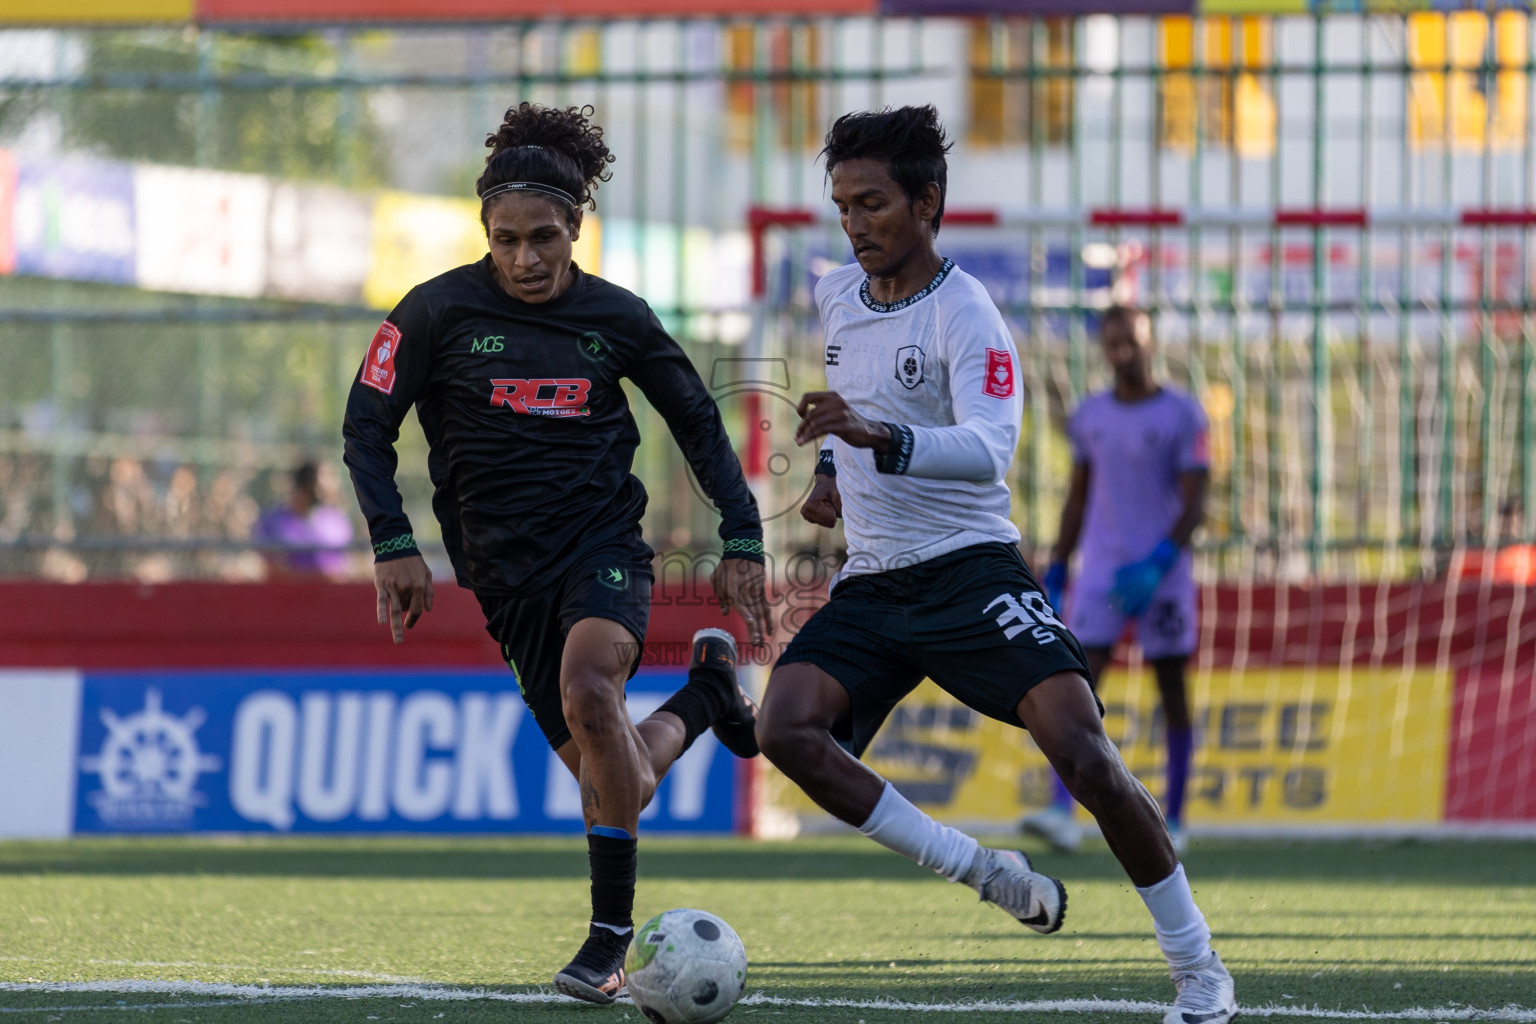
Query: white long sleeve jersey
[(941, 368)]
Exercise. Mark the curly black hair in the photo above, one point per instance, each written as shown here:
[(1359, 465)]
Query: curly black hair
[(547, 146), (910, 141)]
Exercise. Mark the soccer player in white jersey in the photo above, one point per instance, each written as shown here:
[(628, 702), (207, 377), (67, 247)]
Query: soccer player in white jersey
[(921, 416), (1139, 468)]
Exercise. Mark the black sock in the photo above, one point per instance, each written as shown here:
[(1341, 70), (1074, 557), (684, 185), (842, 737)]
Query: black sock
[(699, 704), (612, 863)]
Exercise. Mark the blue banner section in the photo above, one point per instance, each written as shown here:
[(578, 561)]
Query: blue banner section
[(352, 752), (75, 220)]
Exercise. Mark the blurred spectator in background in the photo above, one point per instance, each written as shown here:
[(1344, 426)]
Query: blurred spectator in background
[(316, 532)]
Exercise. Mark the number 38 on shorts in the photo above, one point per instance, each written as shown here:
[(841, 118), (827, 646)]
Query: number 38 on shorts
[(1030, 612)]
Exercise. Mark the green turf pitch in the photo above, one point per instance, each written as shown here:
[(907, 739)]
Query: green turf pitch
[(1391, 929)]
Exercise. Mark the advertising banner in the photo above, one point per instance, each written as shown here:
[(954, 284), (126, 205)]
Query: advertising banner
[(205, 231), (984, 8), (1284, 746), (39, 725), (340, 751), (509, 10), (75, 220), (415, 238), (318, 244), (47, 12)]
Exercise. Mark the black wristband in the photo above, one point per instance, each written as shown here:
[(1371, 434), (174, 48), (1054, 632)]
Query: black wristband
[(899, 457), (748, 548), (402, 546), (826, 465)]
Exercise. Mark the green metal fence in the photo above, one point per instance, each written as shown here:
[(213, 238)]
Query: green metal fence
[(1369, 379)]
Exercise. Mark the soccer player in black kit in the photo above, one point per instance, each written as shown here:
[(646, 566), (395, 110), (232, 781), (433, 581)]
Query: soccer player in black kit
[(513, 364)]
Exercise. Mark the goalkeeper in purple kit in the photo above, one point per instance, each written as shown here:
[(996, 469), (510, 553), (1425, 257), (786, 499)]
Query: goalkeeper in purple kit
[(1137, 495)]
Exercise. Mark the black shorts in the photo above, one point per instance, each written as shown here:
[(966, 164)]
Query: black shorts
[(974, 621), (612, 582)]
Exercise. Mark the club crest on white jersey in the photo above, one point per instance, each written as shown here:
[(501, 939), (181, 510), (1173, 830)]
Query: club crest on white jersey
[(909, 366)]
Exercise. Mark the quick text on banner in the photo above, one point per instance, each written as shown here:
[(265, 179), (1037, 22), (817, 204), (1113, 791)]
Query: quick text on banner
[(331, 756)]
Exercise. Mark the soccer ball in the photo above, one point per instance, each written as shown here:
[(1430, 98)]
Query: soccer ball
[(685, 967)]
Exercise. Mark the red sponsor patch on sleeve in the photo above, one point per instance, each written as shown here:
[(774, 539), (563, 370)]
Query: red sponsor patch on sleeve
[(999, 382), (379, 367)]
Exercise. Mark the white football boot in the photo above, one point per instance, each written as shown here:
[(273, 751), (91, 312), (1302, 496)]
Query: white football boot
[(1205, 994), (1004, 878)]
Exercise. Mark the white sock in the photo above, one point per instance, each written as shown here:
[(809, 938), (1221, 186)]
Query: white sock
[(897, 825), (1182, 933)]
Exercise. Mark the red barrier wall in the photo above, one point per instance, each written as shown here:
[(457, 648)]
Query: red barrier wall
[(1486, 634), (124, 625), (310, 624)]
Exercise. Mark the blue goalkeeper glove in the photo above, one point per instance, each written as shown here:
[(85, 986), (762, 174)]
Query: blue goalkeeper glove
[(1136, 583), (1055, 584)]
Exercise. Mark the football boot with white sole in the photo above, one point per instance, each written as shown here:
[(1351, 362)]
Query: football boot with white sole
[(1005, 879), (1206, 994)]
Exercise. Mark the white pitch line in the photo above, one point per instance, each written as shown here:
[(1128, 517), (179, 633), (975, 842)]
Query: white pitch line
[(133, 1007), (325, 972), (1512, 1014), (245, 994)]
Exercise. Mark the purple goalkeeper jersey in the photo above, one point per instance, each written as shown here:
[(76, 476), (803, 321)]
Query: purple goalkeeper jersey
[(1136, 452)]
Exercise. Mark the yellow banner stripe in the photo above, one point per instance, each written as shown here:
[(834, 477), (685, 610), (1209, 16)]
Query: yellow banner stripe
[(39, 12)]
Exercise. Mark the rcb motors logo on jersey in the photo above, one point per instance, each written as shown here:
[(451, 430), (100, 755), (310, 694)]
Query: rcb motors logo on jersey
[(542, 396), (909, 366)]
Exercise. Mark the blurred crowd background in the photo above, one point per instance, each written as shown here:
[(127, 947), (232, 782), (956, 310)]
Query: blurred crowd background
[(201, 225)]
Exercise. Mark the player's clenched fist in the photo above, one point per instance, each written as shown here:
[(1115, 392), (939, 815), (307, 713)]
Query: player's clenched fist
[(827, 412), (823, 506)]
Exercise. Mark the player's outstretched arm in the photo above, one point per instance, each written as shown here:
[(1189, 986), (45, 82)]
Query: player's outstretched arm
[(404, 589), (390, 380)]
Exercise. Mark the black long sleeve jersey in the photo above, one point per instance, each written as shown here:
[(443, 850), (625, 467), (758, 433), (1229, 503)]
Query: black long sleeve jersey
[(531, 437)]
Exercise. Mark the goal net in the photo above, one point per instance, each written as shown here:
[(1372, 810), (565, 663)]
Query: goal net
[(1367, 646)]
